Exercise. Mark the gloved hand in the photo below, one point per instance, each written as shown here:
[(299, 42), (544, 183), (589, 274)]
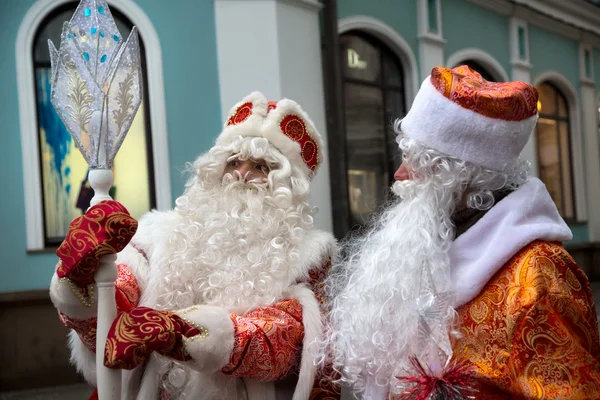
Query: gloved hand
[(136, 333), (105, 228)]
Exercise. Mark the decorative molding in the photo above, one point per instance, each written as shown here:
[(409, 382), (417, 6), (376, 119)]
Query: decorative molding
[(577, 158), (431, 43), (579, 13), (423, 21), (515, 43), (583, 75), (574, 19), (394, 41), (28, 116), (493, 66), (500, 6), (312, 5), (432, 39)]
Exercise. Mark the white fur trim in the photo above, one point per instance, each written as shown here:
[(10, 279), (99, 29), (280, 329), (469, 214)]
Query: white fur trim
[(313, 329), (67, 303), (314, 250), (443, 125), (213, 352), (82, 358), (523, 216), (267, 125), (151, 238)]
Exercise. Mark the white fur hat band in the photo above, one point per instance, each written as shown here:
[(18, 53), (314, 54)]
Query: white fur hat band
[(284, 124), (460, 114)]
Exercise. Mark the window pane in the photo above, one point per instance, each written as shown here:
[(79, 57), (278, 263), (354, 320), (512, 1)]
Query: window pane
[(563, 111), (548, 153), (547, 99), (360, 59), (568, 210), (432, 16), (392, 73), (367, 169)]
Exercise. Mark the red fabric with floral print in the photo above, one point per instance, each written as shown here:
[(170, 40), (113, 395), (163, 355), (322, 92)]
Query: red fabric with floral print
[(105, 228), (267, 341), (294, 128), (136, 333), (241, 114), (127, 296), (508, 101)]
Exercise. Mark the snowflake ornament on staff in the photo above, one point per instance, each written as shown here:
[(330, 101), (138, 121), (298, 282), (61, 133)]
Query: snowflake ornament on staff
[(96, 91)]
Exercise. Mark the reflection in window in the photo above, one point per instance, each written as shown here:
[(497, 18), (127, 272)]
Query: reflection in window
[(554, 148), (65, 189), (373, 99)]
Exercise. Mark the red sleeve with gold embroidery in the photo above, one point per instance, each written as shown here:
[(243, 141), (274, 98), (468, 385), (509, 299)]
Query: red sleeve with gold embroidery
[(127, 296), (267, 341), (533, 332)]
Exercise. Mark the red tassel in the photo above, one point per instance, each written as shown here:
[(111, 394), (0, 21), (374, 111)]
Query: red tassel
[(456, 382)]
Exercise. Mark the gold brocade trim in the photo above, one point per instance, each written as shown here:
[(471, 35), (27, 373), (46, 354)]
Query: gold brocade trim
[(84, 295)]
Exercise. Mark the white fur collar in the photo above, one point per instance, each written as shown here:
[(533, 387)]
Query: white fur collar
[(523, 216)]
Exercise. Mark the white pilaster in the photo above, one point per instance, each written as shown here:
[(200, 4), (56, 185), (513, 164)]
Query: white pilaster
[(274, 46), (521, 71), (431, 38), (589, 112)]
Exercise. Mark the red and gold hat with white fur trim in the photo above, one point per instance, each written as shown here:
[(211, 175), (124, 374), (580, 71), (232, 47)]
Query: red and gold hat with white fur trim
[(284, 124), (460, 114)]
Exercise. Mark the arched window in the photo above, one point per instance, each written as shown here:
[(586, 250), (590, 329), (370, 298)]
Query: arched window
[(477, 66), (554, 148), (65, 190), (373, 98)]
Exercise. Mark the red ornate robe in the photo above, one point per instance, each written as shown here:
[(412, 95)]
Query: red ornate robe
[(532, 333)]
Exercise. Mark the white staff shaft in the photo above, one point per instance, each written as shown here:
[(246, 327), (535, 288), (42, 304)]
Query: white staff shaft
[(109, 380)]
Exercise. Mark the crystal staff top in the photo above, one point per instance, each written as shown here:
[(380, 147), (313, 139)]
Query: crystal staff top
[(96, 81)]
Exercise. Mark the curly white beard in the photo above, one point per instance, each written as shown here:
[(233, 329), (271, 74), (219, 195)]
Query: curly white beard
[(234, 247), (374, 328)]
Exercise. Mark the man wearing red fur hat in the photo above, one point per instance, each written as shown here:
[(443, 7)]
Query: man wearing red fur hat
[(224, 282), (462, 287)]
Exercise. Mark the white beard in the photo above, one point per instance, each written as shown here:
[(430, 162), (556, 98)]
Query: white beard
[(234, 247), (374, 326)]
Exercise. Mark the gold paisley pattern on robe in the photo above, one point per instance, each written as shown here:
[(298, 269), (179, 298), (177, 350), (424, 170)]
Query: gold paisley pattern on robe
[(105, 228), (136, 333), (533, 332)]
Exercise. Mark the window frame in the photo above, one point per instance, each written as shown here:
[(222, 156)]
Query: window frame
[(557, 96), (385, 52), (29, 125)]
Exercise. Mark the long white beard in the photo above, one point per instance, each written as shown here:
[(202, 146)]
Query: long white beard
[(235, 247), (374, 324)]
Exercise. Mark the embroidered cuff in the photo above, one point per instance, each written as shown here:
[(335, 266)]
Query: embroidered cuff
[(72, 301), (211, 349)]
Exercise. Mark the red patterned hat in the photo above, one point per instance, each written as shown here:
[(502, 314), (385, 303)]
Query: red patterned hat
[(460, 114), (284, 124)]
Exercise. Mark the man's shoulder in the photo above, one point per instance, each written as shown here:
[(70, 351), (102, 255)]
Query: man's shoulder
[(546, 266), (317, 249), (153, 225), (315, 253)]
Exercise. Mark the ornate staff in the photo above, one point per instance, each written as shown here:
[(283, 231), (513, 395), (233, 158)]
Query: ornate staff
[(96, 91)]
